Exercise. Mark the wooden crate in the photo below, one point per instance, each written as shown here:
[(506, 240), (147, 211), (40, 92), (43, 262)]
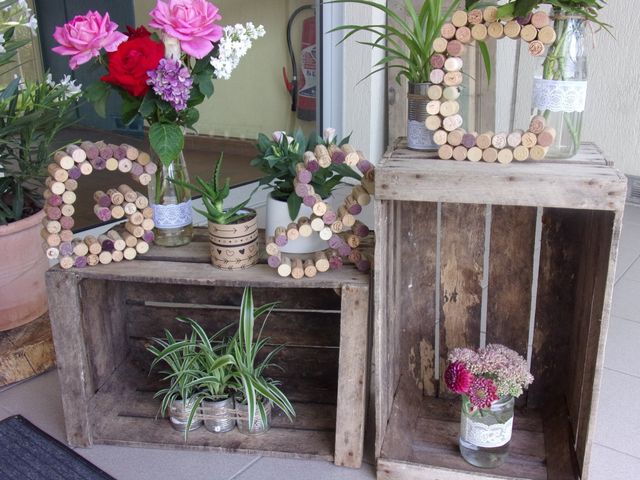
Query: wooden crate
[(474, 253), (102, 318)]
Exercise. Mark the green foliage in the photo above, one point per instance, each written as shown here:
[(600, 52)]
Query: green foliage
[(586, 8), (213, 195), (278, 160), (167, 140)]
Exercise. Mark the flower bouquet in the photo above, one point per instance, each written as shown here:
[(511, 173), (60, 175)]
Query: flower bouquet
[(161, 77), (488, 379)]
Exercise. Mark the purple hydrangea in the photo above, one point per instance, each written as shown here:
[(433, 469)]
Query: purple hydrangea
[(172, 82)]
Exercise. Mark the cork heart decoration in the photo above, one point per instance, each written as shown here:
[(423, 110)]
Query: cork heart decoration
[(446, 78), (124, 242), (340, 229)]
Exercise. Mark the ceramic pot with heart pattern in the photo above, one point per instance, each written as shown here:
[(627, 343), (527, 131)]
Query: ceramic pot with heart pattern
[(234, 246)]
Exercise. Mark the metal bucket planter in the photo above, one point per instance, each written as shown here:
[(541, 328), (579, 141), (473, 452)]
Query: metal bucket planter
[(219, 416), (234, 246), (179, 412), (258, 426), (418, 136)]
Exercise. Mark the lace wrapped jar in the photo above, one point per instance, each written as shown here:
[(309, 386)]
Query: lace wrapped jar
[(560, 88)]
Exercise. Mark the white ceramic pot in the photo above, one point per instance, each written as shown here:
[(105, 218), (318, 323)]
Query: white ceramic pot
[(278, 216)]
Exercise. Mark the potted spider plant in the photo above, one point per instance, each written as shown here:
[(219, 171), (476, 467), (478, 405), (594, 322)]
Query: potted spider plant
[(256, 394), (233, 231), (406, 41)]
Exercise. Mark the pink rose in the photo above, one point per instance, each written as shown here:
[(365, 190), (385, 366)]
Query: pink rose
[(84, 37), (191, 22)]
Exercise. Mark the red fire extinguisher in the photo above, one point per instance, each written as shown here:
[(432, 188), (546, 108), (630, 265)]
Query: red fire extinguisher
[(303, 93)]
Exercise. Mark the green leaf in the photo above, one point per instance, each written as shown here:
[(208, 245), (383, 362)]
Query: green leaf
[(205, 84), (486, 57), (98, 93), (196, 98), (148, 105), (167, 140), (130, 107), (190, 116), (523, 7), (293, 203)]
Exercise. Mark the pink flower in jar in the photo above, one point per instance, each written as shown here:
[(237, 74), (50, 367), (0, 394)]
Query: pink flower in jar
[(458, 378), (83, 37), (192, 22)]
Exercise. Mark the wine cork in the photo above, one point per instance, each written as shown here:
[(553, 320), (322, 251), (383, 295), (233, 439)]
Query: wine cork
[(460, 153), (302, 189), (484, 140), (451, 93), (547, 35), (136, 218), (102, 198), (453, 79), (311, 162), (105, 151), (433, 122), (452, 122), (346, 218), (52, 226), (131, 152), (337, 226), (353, 240), (52, 253), (436, 76), (85, 168), (79, 247), (512, 29), (65, 161), (437, 60), (335, 242), (520, 153), (529, 139), (57, 188), (325, 233), (360, 229), (361, 195), (58, 173), (292, 231), (66, 222), (147, 224), (284, 269), (136, 169), (93, 244), (141, 201), (135, 230), (321, 262), (528, 33), (537, 124), (448, 31), (454, 138), (142, 247), (302, 174), (433, 107), (317, 224), (71, 185), (475, 16), (80, 262), (453, 64), (355, 256), (353, 207), (66, 235), (66, 262), (434, 92), (130, 253), (297, 268), (271, 247), (479, 32), (147, 212), (333, 149), (116, 256), (468, 140), (540, 19), (304, 227), (329, 217), (536, 48), (66, 249), (98, 163), (445, 152), (53, 213), (143, 179), (52, 239), (68, 198), (103, 213), (546, 137), (310, 269), (463, 34), (321, 153), (75, 173), (143, 158), (505, 156), (129, 194), (117, 198), (118, 242), (125, 165), (275, 260), (150, 168), (111, 164), (440, 137), (490, 155), (474, 154), (459, 18), (335, 262), (514, 138), (490, 14), (92, 260), (455, 48), (499, 141), (538, 152), (75, 152), (105, 258), (319, 208), (280, 236), (117, 212), (351, 155), (440, 45), (450, 107), (129, 239), (495, 30)]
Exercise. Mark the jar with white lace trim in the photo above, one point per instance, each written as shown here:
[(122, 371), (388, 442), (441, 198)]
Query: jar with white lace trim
[(560, 88)]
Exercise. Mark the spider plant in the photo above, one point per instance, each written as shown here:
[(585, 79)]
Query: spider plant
[(407, 44)]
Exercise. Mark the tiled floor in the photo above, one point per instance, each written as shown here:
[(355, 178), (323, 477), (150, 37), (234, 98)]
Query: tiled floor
[(616, 454)]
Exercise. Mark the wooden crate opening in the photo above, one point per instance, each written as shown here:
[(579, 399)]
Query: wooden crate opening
[(537, 280)]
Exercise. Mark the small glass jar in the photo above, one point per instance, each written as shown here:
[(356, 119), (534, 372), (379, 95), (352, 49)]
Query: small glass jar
[(485, 434), (560, 88), (418, 136)]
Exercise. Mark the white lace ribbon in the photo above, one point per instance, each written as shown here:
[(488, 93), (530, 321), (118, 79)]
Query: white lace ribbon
[(487, 436), (172, 216), (559, 95)]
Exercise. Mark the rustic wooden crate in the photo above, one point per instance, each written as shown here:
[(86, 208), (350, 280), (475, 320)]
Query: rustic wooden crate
[(469, 253), (102, 318)]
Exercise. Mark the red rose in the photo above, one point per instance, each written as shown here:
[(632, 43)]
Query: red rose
[(141, 31), (129, 64)]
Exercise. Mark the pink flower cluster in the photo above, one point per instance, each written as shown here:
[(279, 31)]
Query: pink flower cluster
[(487, 374)]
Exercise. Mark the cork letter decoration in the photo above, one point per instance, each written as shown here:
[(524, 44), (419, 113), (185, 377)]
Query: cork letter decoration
[(446, 78), (123, 242)]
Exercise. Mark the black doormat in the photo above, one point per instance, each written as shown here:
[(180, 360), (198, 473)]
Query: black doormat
[(28, 453)]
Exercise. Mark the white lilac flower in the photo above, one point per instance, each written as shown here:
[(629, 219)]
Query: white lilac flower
[(21, 85), (234, 44), (71, 87), (32, 24)]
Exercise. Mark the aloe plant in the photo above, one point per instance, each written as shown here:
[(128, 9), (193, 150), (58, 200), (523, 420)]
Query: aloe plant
[(214, 194)]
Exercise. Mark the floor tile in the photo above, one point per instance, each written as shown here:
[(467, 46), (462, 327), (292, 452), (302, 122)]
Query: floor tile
[(266, 468), (4, 413), (633, 273), (621, 353), (629, 250), (632, 214), (128, 463), (626, 299), (617, 424), (38, 400), (608, 464)]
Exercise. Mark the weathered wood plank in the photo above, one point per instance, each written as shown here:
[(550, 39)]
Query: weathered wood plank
[(558, 440), (352, 377), (510, 274), (461, 267)]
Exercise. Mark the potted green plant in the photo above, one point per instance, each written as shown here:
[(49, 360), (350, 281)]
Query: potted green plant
[(406, 41), (233, 231), (31, 115), (282, 159), (256, 393)]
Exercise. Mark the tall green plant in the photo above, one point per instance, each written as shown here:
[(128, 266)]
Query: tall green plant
[(407, 45)]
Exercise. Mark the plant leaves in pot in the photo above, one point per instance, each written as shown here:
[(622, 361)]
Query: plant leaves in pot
[(233, 231)]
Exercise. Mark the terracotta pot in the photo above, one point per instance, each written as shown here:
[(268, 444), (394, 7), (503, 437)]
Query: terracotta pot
[(234, 246), (23, 296)]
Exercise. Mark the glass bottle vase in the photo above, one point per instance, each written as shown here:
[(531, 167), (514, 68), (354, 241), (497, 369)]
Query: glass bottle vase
[(485, 434), (171, 203), (560, 88)]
